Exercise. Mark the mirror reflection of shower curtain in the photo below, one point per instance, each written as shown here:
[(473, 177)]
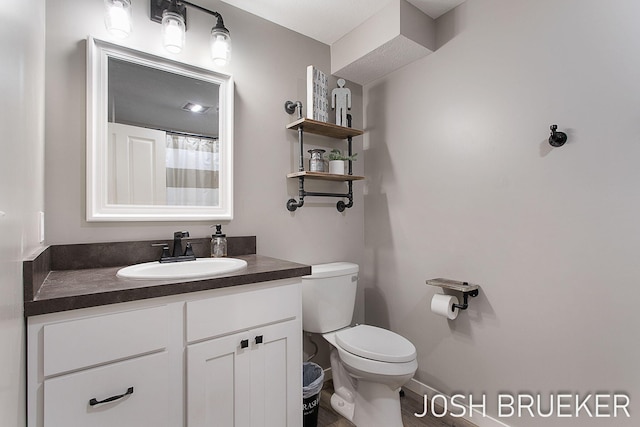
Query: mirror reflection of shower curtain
[(192, 170)]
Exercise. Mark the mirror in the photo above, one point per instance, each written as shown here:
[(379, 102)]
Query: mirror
[(159, 138)]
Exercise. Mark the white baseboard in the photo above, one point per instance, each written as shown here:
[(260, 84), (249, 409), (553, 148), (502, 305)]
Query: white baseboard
[(421, 389), (476, 418)]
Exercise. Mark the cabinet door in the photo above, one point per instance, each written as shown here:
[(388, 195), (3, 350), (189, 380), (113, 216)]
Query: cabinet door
[(139, 388), (218, 382), (249, 379), (276, 375)]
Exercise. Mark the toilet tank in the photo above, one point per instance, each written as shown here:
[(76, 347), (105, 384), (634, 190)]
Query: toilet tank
[(329, 296)]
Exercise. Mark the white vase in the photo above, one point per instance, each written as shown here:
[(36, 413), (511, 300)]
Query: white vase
[(336, 167)]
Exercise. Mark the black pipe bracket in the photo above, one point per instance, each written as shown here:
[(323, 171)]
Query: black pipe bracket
[(557, 139)]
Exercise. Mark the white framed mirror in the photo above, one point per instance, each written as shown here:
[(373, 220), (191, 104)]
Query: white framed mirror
[(159, 138)]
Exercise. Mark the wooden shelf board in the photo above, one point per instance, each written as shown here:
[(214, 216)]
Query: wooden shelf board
[(453, 284), (324, 176), (325, 129)]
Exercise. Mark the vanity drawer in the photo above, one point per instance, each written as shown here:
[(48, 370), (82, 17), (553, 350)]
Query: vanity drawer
[(241, 311), (67, 399), (91, 341)]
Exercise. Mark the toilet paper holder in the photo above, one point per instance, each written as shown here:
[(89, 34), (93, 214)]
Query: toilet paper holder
[(467, 289)]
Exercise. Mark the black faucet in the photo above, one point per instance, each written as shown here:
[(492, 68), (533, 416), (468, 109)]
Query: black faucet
[(178, 254), (177, 243)]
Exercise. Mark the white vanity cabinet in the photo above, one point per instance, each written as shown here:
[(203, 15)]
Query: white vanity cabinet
[(252, 377), (228, 357)]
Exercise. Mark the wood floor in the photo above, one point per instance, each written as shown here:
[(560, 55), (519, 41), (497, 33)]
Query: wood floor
[(411, 403)]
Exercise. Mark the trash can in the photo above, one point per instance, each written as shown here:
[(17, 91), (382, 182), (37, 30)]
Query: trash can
[(312, 379)]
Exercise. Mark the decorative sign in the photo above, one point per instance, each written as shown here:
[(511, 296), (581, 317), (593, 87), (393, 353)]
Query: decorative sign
[(317, 93)]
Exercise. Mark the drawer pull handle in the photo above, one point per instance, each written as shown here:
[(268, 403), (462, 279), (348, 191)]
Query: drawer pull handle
[(244, 343), (259, 339), (94, 401)]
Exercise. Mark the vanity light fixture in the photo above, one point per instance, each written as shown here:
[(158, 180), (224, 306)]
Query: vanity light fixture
[(173, 27), (220, 38), (220, 42), (117, 17)]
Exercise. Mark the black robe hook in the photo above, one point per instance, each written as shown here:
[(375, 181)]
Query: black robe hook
[(557, 139)]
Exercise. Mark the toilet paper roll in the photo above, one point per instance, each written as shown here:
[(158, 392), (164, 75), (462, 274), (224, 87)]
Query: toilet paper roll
[(443, 305)]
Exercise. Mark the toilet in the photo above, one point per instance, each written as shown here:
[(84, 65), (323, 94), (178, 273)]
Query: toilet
[(368, 364)]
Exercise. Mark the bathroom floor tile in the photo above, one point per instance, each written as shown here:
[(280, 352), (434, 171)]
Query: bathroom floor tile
[(411, 403)]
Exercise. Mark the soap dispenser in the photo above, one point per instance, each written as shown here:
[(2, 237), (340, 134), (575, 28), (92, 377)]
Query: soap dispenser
[(218, 243)]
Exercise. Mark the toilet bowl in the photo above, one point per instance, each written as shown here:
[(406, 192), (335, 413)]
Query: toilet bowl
[(368, 364)]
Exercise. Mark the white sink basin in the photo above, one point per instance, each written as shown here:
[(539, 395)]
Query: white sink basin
[(201, 268)]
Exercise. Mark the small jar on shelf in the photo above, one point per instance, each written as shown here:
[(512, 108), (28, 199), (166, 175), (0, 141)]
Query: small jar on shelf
[(316, 162)]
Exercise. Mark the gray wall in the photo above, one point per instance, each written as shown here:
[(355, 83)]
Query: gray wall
[(21, 185), (268, 65), (462, 184)]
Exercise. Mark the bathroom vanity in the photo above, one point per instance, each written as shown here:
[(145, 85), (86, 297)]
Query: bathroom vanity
[(105, 351)]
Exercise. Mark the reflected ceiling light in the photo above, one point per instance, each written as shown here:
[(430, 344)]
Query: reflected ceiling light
[(220, 38), (195, 108), (117, 17)]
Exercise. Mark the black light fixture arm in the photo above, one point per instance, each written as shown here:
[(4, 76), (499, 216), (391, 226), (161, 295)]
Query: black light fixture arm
[(176, 8), (159, 6), (195, 6), (219, 24)]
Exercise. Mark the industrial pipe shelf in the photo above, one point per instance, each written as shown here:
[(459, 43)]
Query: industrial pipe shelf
[(325, 176), (323, 129)]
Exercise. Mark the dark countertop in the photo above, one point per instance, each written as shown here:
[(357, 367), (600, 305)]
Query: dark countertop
[(49, 291)]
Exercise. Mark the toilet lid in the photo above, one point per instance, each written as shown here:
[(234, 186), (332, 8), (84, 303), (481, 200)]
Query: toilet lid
[(376, 344)]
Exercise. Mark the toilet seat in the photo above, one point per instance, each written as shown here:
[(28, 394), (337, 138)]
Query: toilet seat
[(361, 366), (365, 366), (376, 344)]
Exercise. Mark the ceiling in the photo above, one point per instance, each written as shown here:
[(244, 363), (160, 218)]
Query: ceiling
[(153, 98), (328, 20)]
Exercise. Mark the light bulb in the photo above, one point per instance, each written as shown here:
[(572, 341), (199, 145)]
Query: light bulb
[(173, 30), (220, 47), (117, 17)]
